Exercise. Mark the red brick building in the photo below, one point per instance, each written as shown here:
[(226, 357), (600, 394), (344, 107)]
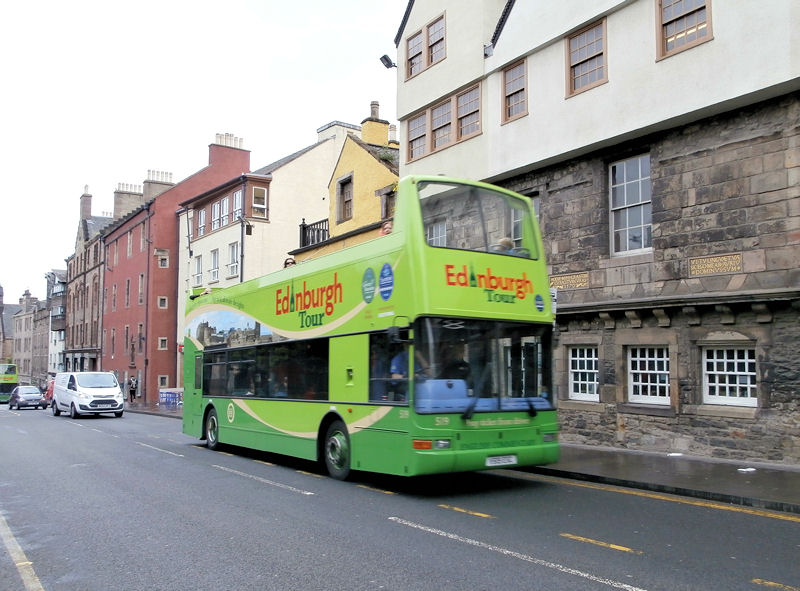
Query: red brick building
[(141, 274)]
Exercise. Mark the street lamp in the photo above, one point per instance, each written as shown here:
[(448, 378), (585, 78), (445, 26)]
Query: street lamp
[(387, 61)]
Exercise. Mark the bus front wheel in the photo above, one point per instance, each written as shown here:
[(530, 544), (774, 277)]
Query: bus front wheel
[(337, 450), (212, 430)]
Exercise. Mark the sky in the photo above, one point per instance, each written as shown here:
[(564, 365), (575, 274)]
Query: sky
[(98, 93)]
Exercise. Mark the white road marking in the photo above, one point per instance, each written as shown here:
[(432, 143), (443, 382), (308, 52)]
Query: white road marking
[(264, 480), (517, 555)]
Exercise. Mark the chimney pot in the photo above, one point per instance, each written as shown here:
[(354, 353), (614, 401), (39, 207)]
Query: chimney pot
[(373, 110)]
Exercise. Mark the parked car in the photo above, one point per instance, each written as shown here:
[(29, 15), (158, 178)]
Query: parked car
[(22, 396)]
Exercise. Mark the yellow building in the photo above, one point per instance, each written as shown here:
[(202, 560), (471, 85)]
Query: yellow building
[(361, 191)]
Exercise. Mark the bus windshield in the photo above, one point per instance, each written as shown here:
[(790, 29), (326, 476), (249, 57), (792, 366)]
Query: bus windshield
[(480, 365), (469, 217)]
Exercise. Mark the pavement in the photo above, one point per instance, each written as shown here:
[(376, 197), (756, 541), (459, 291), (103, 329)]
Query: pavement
[(760, 485)]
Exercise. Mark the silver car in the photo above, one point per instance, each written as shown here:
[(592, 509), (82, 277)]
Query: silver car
[(22, 396)]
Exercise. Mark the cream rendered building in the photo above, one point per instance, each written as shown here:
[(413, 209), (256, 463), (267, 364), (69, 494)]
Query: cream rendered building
[(245, 227)]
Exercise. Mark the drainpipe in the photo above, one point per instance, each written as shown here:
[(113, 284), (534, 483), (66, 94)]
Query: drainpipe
[(142, 383), (244, 223)]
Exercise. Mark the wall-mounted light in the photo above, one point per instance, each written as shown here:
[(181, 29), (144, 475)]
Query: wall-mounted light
[(387, 61)]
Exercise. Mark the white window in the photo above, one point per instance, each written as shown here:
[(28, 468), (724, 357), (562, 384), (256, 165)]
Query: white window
[(237, 204), (259, 202), (163, 381), (583, 374), (215, 216), (233, 259), (163, 262), (437, 234), (201, 222), (198, 271), (162, 343), (214, 270), (163, 302), (631, 210), (225, 211), (648, 375), (729, 376)]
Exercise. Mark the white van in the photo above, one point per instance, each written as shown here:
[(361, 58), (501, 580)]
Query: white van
[(87, 392)]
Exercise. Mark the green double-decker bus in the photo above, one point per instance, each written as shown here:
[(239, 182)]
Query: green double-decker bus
[(8, 380), (426, 350)]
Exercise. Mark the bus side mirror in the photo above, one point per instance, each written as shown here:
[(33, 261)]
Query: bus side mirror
[(398, 334)]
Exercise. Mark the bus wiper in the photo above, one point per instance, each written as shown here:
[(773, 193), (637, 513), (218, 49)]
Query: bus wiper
[(531, 409), (470, 410)]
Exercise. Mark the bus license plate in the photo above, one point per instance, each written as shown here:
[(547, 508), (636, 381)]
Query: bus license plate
[(501, 460)]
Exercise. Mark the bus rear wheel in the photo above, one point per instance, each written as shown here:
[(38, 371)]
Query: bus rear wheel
[(337, 451), (212, 430)]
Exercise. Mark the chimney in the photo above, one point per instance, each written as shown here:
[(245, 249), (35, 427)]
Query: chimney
[(228, 149), (393, 135), (86, 203), (127, 197), (375, 130)]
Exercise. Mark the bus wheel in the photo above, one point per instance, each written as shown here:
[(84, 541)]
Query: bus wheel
[(212, 430), (56, 410), (337, 451)]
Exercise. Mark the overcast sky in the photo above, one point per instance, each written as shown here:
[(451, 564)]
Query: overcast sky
[(97, 93)]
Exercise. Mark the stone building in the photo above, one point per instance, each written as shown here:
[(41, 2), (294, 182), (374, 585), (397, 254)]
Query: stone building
[(663, 157), (24, 337), (83, 292)]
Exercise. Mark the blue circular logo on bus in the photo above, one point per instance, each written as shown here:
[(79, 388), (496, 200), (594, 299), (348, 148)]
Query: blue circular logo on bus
[(368, 285), (386, 281), (539, 303)]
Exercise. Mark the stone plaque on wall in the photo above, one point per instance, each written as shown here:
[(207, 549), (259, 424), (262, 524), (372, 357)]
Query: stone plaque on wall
[(727, 263), (570, 281)]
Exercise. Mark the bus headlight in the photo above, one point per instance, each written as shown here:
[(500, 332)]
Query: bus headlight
[(441, 444), (548, 437)]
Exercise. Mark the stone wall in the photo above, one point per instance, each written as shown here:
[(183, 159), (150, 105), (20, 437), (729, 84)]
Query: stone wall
[(723, 268)]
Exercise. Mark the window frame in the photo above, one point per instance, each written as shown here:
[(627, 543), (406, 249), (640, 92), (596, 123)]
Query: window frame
[(163, 344), (344, 198), (425, 43), (213, 270), (661, 25), (752, 385), (647, 228), (233, 261), (576, 375), (420, 138), (197, 276), (141, 289), (505, 94), (201, 222), (225, 213), (215, 213), (264, 209), (657, 399), (238, 200), (570, 77)]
